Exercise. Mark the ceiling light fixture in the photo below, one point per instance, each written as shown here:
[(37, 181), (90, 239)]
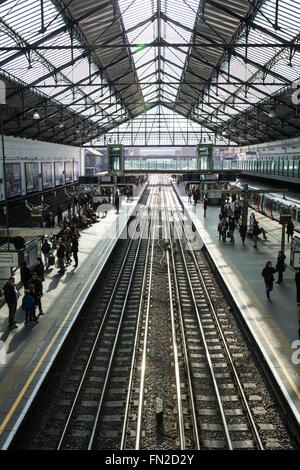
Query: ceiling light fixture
[(36, 115)]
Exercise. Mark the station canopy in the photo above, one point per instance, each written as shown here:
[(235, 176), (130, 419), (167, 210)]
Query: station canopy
[(150, 72)]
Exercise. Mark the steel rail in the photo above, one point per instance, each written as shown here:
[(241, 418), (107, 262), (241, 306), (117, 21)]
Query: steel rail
[(136, 339), (207, 353), (231, 363), (63, 435), (229, 355), (99, 408), (144, 356), (182, 439), (184, 343)]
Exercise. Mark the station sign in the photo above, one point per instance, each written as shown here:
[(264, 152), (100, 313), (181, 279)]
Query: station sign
[(9, 258), (296, 259)]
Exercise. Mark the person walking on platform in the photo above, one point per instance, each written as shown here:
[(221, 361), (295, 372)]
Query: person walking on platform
[(60, 253), (255, 233), (189, 196), (38, 287), (268, 275), (28, 304), (75, 250), (205, 206), (243, 233), (280, 266), (290, 230), (11, 296)]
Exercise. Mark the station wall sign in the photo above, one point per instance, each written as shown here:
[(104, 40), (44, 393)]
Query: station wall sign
[(9, 258), (296, 259)]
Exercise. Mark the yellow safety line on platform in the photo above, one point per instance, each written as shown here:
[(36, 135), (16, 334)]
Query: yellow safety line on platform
[(32, 375)]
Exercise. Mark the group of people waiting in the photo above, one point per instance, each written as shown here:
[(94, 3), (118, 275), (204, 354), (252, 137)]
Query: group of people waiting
[(229, 217), (66, 245)]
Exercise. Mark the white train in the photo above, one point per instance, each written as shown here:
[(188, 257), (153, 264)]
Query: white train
[(273, 204)]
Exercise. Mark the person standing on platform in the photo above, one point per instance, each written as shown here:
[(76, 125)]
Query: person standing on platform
[(255, 233), (205, 206), (26, 274), (38, 287), (231, 228), (290, 230), (117, 202), (75, 250), (280, 266), (224, 227), (60, 253), (268, 275), (45, 249), (11, 296), (243, 233), (39, 269), (189, 196), (28, 304)]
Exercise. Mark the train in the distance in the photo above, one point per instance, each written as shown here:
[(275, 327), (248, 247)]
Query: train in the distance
[(273, 204)]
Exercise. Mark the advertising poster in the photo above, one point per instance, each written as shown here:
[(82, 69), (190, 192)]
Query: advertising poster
[(32, 177), (47, 175), (76, 171), (59, 173), (69, 172), (13, 179)]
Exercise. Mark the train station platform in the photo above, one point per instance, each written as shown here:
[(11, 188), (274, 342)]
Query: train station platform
[(31, 350), (273, 325)]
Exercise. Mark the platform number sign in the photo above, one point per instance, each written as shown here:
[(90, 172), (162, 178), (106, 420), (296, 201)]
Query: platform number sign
[(2, 353)]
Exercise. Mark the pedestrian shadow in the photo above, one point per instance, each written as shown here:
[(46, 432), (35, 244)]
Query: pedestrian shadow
[(54, 283)]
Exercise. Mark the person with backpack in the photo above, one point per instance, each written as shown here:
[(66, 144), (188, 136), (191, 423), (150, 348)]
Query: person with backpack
[(28, 304), (268, 275)]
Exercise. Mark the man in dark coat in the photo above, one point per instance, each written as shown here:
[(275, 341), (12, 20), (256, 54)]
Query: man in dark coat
[(75, 250), (60, 253), (117, 202), (268, 274), (38, 286), (11, 298)]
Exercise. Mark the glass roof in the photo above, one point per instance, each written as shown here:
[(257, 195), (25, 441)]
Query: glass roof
[(161, 61)]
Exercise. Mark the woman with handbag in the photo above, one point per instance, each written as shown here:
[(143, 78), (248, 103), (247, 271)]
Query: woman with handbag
[(280, 267)]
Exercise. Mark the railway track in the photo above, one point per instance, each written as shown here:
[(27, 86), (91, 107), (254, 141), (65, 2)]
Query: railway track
[(222, 416), (161, 373)]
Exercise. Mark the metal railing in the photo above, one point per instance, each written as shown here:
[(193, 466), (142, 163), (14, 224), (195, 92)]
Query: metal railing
[(277, 167)]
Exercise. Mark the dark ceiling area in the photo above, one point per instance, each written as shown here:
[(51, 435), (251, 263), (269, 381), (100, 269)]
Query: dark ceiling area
[(76, 70)]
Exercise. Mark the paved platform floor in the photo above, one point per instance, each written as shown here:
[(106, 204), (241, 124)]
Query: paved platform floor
[(30, 350), (274, 324)]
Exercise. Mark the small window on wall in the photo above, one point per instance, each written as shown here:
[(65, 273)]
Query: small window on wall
[(68, 172), (76, 171), (59, 173), (47, 175), (32, 177), (13, 179)]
